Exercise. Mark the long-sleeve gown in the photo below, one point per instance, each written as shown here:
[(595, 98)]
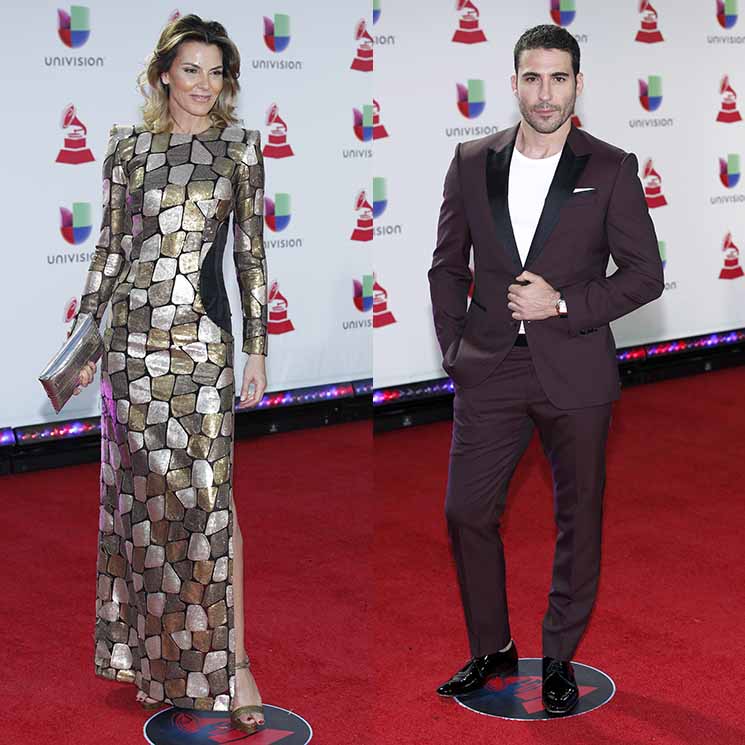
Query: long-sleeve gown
[(164, 598)]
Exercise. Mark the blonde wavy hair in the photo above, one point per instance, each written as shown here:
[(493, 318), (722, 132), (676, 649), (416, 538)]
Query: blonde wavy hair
[(155, 112)]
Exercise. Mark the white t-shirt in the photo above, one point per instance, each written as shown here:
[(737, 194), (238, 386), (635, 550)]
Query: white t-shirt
[(530, 179)]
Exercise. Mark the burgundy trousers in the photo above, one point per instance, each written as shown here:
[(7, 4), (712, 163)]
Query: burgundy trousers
[(492, 426)]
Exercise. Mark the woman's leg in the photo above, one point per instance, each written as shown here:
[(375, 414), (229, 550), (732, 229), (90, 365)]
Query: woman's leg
[(246, 691)]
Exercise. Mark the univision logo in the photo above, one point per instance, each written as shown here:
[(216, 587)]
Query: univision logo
[(277, 39), (277, 211), (563, 12), (379, 204), (363, 123), (669, 285), (277, 32), (366, 123), (363, 293), (76, 224), (380, 198), (376, 10), (650, 92), (470, 98), (74, 27), (727, 13), (729, 170)]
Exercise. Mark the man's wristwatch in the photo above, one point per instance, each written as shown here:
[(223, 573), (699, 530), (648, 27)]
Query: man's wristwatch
[(561, 306)]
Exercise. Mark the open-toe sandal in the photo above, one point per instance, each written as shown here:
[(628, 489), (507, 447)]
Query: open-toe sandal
[(248, 727)]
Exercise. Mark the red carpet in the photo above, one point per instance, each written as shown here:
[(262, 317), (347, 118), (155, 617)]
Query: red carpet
[(668, 624), (303, 507)]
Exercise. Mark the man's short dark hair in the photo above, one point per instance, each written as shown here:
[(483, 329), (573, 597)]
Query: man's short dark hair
[(548, 36)]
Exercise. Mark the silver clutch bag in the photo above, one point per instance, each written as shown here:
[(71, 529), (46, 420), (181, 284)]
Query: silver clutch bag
[(62, 374)]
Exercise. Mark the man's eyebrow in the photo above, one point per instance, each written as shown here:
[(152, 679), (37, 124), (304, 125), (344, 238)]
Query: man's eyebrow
[(537, 74)]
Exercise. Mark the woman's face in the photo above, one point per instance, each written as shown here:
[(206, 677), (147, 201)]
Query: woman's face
[(195, 79)]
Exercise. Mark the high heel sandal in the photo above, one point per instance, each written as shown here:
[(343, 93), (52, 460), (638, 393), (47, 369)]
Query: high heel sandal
[(248, 727), (151, 704)]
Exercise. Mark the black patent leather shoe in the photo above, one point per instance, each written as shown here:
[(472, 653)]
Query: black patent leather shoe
[(560, 692), (478, 670)]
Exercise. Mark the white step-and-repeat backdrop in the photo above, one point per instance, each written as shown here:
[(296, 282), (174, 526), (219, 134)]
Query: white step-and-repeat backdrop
[(661, 80), (70, 72), (356, 155)]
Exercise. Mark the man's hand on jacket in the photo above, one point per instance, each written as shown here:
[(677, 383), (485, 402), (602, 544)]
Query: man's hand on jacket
[(534, 301)]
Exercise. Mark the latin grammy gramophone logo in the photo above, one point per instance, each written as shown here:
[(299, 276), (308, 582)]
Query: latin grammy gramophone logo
[(731, 268), (379, 130), (652, 186), (518, 696), (363, 60), (363, 230), (277, 32), (728, 112), (71, 310), (75, 149), (176, 726), (468, 31), (279, 321), (563, 12), (276, 145), (74, 28), (366, 123), (382, 316), (648, 33)]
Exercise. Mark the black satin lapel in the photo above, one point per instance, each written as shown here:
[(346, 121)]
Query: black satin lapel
[(568, 171), (497, 182)]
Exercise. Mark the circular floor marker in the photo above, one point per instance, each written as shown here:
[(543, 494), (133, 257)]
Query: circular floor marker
[(191, 727), (519, 696)]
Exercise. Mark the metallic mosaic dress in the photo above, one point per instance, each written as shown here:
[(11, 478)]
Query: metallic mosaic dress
[(164, 606)]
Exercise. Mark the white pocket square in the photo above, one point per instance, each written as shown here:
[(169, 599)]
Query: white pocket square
[(584, 188)]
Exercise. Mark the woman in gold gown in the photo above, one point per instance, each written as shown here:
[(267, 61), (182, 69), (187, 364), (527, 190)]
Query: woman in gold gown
[(169, 607)]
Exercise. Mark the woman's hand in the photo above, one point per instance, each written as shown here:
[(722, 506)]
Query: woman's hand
[(86, 377), (87, 373), (254, 373)]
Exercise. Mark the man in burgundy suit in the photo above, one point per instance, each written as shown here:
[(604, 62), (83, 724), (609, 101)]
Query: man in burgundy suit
[(543, 205)]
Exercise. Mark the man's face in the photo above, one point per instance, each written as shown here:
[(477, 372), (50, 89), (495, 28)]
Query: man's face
[(546, 88)]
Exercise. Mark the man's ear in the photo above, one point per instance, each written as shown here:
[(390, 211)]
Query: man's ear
[(580, 83), (513, 83)]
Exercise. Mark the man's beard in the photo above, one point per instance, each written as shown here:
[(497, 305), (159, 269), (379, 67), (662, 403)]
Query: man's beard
[(544, 126)]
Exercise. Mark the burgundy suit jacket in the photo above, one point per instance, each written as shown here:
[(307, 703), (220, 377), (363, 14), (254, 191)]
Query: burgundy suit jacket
[(574, 357)]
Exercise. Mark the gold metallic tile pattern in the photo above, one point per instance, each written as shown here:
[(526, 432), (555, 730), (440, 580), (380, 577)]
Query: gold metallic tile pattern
[(164, 594)]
